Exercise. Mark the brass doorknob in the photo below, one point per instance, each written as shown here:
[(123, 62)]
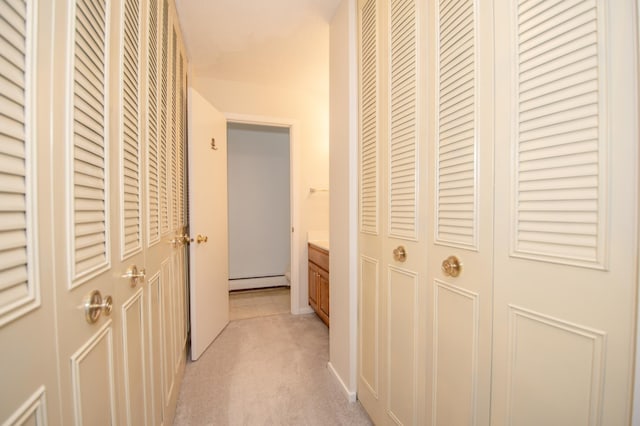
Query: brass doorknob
[(202, 239), (451, 266), (400, 254), (134, 274), (94, 305)]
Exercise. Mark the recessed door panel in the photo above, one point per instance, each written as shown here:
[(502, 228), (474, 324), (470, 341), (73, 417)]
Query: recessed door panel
[(135, 362), (369, 287), (543, 349), (155, 358), (456, 355), (166, 280), (402, 346), (93, 380)]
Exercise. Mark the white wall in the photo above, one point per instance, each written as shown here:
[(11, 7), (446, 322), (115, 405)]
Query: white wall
[(309, 110), (259, 212), (344, 196)]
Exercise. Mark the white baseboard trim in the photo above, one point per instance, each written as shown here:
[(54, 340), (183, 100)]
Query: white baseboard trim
[(305, 310), (249, 283), (351, 396)]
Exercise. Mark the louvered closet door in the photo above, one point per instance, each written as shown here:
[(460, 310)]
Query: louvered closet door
[(85, 185), (371, 378), (164, 168), (29, 391), (403, 225), (157, 247), (127, 171), (461, 198), (392, 210), (566, 188)]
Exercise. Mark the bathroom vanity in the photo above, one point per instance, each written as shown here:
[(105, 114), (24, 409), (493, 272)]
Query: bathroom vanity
[(319, 279)]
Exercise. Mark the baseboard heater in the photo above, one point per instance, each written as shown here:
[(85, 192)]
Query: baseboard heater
[(257, 282)]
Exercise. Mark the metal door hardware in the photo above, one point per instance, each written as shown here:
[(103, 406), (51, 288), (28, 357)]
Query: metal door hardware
[(400, 254), (94, 305), (134, 274), (451, 266)]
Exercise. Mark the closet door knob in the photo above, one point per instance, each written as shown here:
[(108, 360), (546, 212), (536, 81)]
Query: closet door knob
[(451, 266), (134, 274), (400, 254), (94, 305)]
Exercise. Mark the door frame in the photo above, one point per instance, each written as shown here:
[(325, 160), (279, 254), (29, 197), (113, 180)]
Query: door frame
[(294, 196), (635, 401)]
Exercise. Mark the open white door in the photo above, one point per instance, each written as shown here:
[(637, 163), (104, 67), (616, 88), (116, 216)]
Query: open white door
[(209, 256)]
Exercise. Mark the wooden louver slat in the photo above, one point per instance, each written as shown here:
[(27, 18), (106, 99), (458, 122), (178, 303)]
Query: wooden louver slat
[(403, 126), (164, 119), (560, 212), (456, 197), (369, 120), (175, 175), (89, 209), (153, 184), (17, 288), (131, 209)]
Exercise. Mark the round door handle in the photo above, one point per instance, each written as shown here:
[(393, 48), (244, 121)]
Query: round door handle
[(451, 266), (95, 305), (400, 254), (201, 239), (134, 274)]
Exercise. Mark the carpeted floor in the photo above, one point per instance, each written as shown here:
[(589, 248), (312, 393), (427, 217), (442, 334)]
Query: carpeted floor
[(266, 371), (259, 303)]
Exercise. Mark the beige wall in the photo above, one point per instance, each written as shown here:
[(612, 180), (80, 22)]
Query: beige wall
[(344, 196), (310, 112)]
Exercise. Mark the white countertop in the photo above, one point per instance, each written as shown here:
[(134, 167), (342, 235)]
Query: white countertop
[(323, 244)]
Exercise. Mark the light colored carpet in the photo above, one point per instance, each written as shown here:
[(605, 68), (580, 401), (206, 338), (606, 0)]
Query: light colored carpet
[(266, 371), (259, 303)]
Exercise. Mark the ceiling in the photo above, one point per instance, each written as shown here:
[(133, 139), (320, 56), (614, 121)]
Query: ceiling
[(272, 42)]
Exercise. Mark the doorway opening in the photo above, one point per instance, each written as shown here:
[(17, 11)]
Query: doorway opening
[(260, 219)]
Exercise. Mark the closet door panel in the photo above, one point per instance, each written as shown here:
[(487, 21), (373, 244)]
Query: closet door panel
[(566, 198), (460, 195), (371, 376)]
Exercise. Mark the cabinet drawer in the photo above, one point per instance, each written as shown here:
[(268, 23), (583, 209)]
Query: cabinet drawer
[(319, 256)]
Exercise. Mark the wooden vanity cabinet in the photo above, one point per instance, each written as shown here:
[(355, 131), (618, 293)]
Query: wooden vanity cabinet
[(319, 282)]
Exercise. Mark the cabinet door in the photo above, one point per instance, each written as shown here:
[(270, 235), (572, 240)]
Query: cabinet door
[(313, 287), (322, 285)]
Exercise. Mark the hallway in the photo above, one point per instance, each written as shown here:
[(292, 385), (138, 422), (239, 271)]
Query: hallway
[(268, 370)]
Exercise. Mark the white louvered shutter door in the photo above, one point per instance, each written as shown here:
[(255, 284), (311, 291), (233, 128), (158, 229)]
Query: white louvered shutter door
[(153, 170), (182, 141), (456, 155), (460, 196), (90, 243), (403, 148), (163, 148), (131, 238), (566, 202), (18, 287), (28, 331), (561, 154), (370, 368), (175, 175), (369, 120), (403, 298)]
